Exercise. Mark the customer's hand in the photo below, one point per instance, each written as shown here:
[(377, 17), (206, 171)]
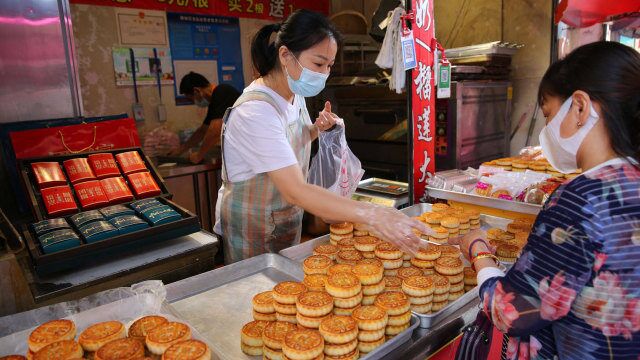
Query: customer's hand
[(391, 225), (326, 119), (466, 240)]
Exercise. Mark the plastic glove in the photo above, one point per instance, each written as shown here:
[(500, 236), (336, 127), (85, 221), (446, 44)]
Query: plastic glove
[(466, 240), (391, 225)]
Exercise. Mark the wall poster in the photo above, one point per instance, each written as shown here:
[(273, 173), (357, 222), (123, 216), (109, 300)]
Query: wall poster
[(146, 66)]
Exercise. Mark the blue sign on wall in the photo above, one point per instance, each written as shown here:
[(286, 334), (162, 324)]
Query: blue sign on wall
[(209, 45)]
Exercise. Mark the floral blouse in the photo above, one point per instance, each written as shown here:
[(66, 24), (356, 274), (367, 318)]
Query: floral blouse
[(574, 293)]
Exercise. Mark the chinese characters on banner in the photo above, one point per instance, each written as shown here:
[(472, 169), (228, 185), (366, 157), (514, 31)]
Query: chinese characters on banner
[(276, 10), (423, 98)]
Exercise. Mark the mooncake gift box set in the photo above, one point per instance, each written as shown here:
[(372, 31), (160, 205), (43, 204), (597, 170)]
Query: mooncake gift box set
[(87, 205)]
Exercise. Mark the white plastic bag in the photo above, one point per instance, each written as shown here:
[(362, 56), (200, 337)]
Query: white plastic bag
[(334, 167)]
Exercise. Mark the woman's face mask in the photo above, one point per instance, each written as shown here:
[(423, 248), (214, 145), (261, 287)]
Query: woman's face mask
[(561, 152), (310, 82)]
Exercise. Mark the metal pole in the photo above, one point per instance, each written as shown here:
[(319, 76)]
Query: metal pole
[(409, 76)]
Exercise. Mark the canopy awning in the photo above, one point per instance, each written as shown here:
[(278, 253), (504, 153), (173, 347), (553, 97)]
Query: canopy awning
[(584, 13)]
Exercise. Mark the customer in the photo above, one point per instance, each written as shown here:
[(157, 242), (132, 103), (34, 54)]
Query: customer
[(574, 293), (266, 146)]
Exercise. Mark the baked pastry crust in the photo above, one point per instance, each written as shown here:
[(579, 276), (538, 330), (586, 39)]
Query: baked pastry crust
[(251, 350), (366, 243), (315, 282), (422, 264), (338, 268), (251, 333), (165, 335), (188, 350), (314, 304), (350, 257), (285, 309), (439, 207), (286, 292), (339, 330), (369, 274), (423, 300), (507, 251), (341, 228), (456, 295), (316, 264), (371, 318), (371, 335), (450, 222), (95, 336), (274, 334), (258, 316), (303, 345), (388, 251), (422, 308), (343, 285), (141, 327), (309, 322), (327, 250), (121, 349), (454, 279), (271, 354), (368, 299), (355, 354), (437, 306), (395, 330), (456, 287), (449, 266), (430, 253), (418, 286), (375, 289), (392, 264), (450, 251), (392, 283), (340, 349), (399, 320), (369, 346), (406, 272), (441, 284), (347, 303), (50, 332), (470, 276), (395, 302), (63, 349), (391, 272), (286, 318), (262, 303), (13, 357), (344, 311)]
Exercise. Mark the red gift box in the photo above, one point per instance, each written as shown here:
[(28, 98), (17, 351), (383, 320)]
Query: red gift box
[(78, 170), (143, 185), (103, 165), (48, 174), (116, 190), (131, 162), (90, 194), (58, 200)]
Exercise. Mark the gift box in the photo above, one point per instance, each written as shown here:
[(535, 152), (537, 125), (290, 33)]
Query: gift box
[(58, 200), (80, 220), (78, 170), (46, 226), (143, 185), (97, 231), (142, 205), (116, 189), (130, 162), (103, 165), (48, 174), (58, 240), (115, 211), (161, 215), (128, 223), (90, 194)]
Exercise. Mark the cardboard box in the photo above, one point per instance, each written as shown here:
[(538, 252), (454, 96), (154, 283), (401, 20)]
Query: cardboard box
[(116, 189), (78, 170), (91, 195), (130, 162), (48, 174), (103, 165), (58, 200), (143, 185)]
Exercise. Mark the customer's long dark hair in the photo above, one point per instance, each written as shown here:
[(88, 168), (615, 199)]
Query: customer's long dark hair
[(610, 73), (302, 30)]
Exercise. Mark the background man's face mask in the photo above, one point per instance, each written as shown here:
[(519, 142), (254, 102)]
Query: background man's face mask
[(561, 152), (199, 100)]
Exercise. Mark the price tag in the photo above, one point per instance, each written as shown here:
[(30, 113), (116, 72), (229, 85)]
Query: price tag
[(444, 80), (408, 50)]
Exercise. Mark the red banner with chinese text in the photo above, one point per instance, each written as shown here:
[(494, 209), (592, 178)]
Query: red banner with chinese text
[(423, 98), (262, 9)]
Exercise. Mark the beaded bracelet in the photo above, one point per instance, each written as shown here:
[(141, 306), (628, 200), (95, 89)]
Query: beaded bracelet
[(473, 243)]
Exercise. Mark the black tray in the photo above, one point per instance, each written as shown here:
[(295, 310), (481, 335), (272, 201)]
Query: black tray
[(88, 253), (35, 198)]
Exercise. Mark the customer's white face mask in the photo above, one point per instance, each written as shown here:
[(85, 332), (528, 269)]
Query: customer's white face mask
[(561, 152)]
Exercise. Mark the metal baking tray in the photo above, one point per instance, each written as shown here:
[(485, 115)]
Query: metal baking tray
[(218, 303), (300, 252), (383, 186), (494, 203)]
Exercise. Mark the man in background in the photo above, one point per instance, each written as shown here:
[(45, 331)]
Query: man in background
[(216, 98)]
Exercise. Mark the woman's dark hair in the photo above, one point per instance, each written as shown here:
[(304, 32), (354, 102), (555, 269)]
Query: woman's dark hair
[(302, 30), (610, 73)]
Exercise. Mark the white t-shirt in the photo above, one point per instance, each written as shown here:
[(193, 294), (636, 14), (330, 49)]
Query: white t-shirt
[(255, 140)]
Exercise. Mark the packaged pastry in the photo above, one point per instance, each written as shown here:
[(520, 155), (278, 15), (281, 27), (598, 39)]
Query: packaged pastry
[(103, 165), (130, 162), (48, 174), (128, 223), (97, 231), (83, 218), (143, 185), (116, 189), (78, 170), (58, 200), (115, 211), (45, 226), (142, 205), (58, 240), (90, 194), (161, 215)]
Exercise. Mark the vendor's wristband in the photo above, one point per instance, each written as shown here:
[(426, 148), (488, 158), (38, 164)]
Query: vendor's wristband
[(483, 255), (471, 256)]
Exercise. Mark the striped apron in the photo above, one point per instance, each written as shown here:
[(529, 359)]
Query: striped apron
[(254, 217)]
